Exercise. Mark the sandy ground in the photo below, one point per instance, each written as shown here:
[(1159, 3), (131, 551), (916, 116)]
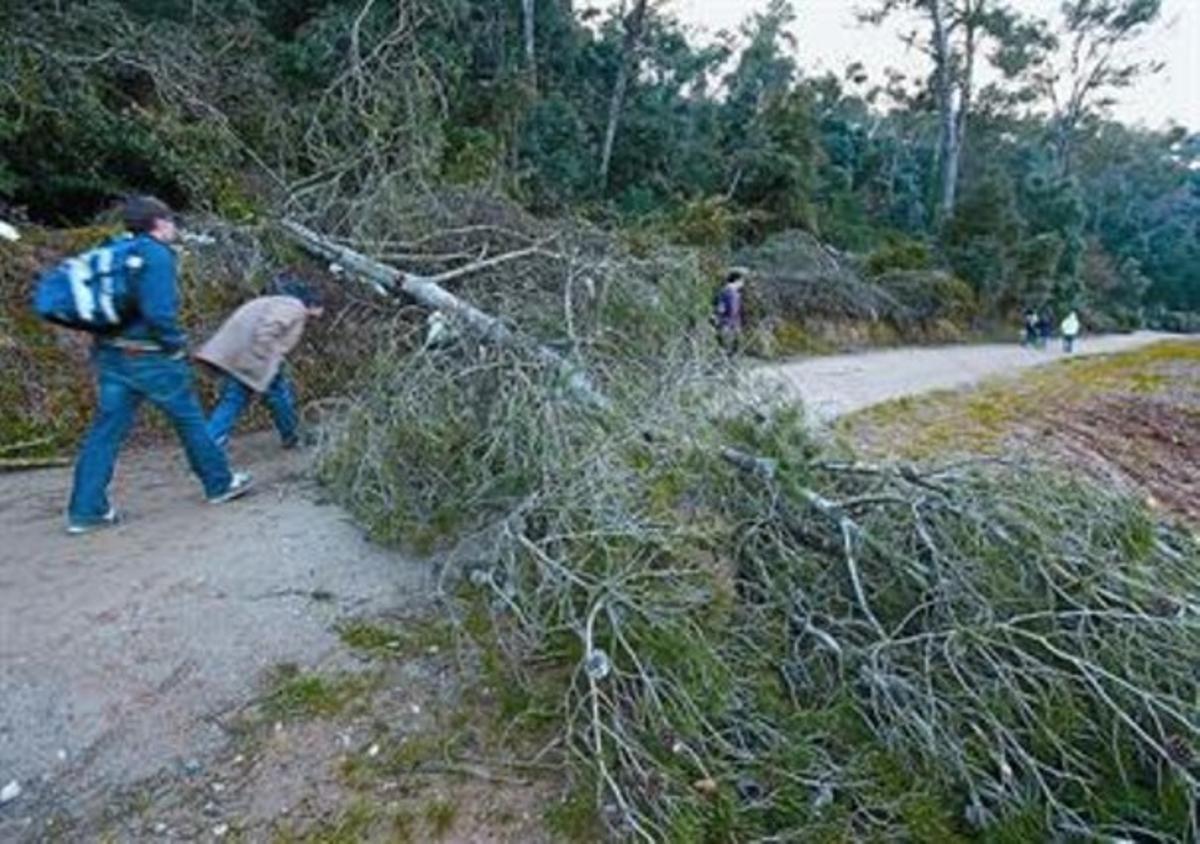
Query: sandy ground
[(120, 650), (834, 386)]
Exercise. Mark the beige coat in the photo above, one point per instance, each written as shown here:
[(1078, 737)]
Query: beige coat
[(252, 343)]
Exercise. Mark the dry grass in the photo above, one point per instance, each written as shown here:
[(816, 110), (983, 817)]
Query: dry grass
[(980, 420)]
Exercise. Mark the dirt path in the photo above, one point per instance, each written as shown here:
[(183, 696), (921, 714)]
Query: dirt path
[(119, 651), (834, 386)]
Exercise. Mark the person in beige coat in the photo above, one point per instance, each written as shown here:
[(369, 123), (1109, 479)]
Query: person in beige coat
[(249, 349)]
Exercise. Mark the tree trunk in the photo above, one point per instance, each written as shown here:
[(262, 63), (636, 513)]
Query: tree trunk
[(629, 45), (528, 10), (972, 12), (948, 142), (428, 292)]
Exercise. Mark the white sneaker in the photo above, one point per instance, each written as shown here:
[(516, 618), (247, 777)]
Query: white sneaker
[(107, 520), (239, 486)]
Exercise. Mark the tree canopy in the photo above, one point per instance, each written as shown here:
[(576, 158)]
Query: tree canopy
[(241, 106)]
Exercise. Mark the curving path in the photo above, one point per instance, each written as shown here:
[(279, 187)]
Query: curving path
[(833, 386)]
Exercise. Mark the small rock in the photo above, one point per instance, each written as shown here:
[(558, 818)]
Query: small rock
[(279, 726), (192, 767), (433, 649), (62, 755), (706, 786), (823, 797), (211, 808), (597, 664), (218, 787), (160, 828), (10, 792), (239, 759), (373, 751), (416, 709), (220, 829)]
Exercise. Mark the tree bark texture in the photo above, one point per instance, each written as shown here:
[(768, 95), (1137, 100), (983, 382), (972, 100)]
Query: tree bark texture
[(429, 293), (629, 45)]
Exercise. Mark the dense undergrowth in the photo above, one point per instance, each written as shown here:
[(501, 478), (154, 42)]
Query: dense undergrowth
[(744, 633)]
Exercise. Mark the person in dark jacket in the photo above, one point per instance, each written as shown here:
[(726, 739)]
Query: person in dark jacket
[(146, 360), (1045, 326), (1031, 327), (728, 310)]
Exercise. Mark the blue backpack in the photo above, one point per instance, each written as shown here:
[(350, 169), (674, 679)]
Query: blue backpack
[(94, 291)]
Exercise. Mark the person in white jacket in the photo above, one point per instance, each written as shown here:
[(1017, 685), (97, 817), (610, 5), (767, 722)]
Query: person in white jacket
[(1070, 330)]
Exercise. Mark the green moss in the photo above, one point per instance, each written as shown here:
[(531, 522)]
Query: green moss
[(440, 815), (575, 817), (295, 694), (791, 339), (407, 639)]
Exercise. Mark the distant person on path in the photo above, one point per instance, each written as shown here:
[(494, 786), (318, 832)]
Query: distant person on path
[(1031, 328), (1045, 328), (146, 359), (250, 348), (1070, 331), (728, 310)]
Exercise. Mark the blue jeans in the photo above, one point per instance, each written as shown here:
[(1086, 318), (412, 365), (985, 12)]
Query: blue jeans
[(124, 379), (235, 396)]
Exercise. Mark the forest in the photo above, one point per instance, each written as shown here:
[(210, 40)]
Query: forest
[(1024, 188)]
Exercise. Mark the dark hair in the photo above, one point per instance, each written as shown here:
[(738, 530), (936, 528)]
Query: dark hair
[(140, 213), (290, 284), (735, 274)]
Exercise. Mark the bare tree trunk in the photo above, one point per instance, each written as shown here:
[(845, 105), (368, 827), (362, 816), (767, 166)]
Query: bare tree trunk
[(427, 291), (629, 45), (966, 89), (528, 10), (944, 92)]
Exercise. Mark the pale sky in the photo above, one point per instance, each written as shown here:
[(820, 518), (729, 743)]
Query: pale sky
[(829, 37)]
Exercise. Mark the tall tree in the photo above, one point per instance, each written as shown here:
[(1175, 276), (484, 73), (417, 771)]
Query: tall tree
[(634, 24), (1088, 59), (528, 14), (956, 28)]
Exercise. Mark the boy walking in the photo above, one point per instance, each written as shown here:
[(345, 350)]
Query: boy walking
[(250, 348), (145, 359), (727, 310)]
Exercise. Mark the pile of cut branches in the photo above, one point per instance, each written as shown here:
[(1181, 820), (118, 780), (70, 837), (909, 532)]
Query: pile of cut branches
[(745, 635)]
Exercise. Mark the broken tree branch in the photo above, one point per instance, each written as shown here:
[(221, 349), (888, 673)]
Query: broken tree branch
[(428, 292)]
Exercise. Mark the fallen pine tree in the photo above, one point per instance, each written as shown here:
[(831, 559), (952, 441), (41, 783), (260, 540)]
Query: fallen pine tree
[(744, 634)]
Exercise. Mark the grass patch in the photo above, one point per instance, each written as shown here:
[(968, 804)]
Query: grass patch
[(296, 694), (405, 639), (980, 419), (351, 826), (440, 815)]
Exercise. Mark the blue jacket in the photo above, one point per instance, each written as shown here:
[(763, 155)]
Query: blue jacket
[(157, 319)]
